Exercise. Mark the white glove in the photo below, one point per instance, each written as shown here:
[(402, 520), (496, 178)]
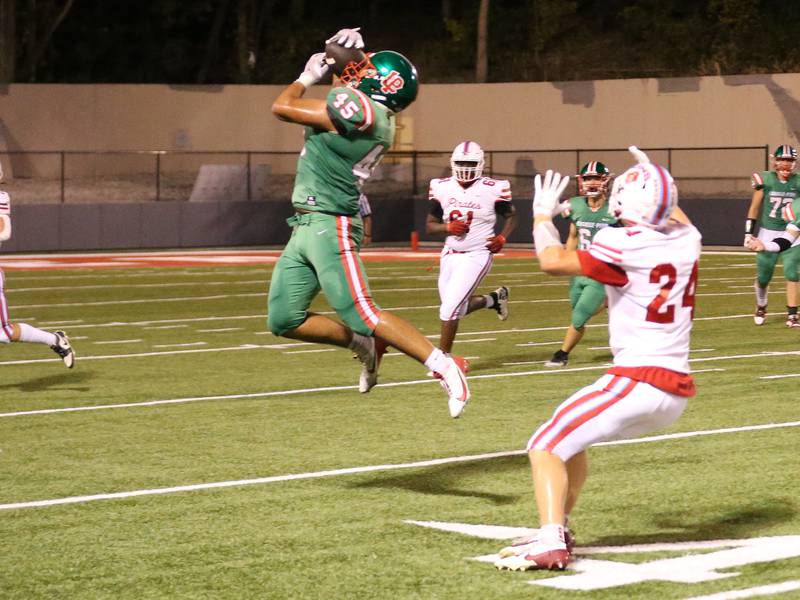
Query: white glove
[(754, 244), (349, 38), (546, 193), (747, 238), (640, 156), (316, 69)]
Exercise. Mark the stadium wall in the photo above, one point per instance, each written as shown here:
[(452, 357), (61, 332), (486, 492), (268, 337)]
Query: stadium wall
[(686, 112), (742, 110)]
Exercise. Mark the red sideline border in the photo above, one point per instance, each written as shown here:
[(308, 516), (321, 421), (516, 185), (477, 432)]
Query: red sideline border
[(197, 258)]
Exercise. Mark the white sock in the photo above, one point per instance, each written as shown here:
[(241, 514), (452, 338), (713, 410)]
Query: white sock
[(31, 334), (761, 295), (437, 361), (359, 343), (552, 533), (489, 300)]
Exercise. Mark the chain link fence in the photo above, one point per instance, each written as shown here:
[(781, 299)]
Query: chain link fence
[(49, 177)]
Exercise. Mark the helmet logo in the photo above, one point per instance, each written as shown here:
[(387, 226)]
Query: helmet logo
[(392, 83), (632, 176)]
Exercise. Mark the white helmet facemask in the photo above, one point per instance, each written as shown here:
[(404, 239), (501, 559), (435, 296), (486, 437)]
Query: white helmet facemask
[(467, 162), (644, 194)]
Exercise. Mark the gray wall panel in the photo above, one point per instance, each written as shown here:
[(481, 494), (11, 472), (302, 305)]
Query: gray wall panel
[(160, 224), (121, 226), (36, 227), (181, 224), (80, 226), (200, 224)]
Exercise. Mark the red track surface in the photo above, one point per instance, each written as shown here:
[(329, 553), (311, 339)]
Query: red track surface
[(196, 258)]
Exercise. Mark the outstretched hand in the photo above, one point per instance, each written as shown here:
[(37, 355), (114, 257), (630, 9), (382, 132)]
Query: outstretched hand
[(349, 38), (546, 193)]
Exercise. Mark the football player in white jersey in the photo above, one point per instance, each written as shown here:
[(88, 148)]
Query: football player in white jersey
[(649, 268), (464, 207), (22, 332)]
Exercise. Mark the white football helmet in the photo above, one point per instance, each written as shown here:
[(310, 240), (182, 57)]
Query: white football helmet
[(467, 162), (644, 194)]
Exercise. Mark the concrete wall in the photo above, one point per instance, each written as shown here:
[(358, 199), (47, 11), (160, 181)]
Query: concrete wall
[(686, 112), (703, 111)]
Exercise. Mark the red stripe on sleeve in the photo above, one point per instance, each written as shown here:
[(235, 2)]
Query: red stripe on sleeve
[(602, 271)]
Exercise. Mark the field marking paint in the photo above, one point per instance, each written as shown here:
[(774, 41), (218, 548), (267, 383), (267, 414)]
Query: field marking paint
[(141, 301), (117, 341), (186, 345), (218, 318), (221, 329), (311, 351), (279, 393), (80, 288), (762, 590), (365, 469), (140, 354), (780, 376)]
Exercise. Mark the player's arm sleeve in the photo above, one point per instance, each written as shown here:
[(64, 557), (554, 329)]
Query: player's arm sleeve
[(435, 210), (600, 270), (350, 111), (504, 208), (603, 261), (757, 181)]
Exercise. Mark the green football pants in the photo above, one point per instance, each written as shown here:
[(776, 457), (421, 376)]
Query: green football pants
[(586, 296), (322, 254)]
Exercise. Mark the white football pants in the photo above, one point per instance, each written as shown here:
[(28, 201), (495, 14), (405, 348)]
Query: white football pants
[(460, 273)]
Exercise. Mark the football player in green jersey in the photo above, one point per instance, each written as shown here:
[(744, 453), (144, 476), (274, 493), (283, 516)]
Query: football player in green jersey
[(781, 244), (773, 191), (346, 134), (588, 214)]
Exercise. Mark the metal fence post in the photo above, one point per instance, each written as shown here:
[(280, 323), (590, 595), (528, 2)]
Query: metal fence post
[(669, 160), (249, 194), (158, 176), (766, 157), (414, 173), (63, 177)]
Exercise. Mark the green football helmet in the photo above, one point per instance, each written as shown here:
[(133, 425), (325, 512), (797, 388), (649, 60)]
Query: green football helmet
[(387, 77), (593, 179), (785, 159)]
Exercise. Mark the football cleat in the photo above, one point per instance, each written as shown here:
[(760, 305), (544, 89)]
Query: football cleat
[(536, 555), (63, 348), (501, 302), (370, 363), (455, 384), (760, 316), (518, 544), (560, 359), (792, 321)]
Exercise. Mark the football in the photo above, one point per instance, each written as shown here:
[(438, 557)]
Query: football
[(338, 57)]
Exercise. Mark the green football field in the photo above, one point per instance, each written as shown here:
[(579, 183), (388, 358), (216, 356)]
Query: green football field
[(191, 454)]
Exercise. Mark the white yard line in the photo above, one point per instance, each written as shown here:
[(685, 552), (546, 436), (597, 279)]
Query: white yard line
[(221, 329), (117, 342), (366, 469), (186, 345), (295, 392), (761, 590), (125, 285), (311, 351), (141, 301)]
